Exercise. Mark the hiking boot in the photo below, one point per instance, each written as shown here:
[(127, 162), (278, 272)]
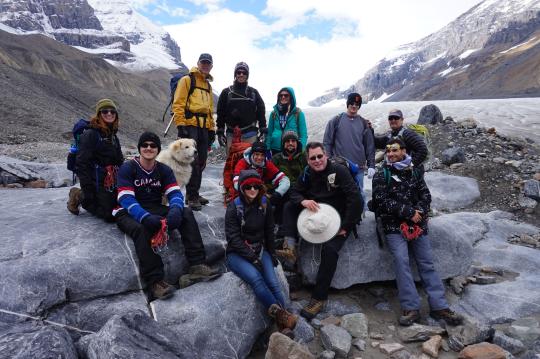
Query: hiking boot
[(74, 200), (409, 317), (189, 279), (203, 201), (313, 308), (162, 290), (203, 270), (194, 204), (449, 317), (284, 319)]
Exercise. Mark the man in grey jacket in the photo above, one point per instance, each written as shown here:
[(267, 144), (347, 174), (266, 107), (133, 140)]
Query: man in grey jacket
[(348, 135)]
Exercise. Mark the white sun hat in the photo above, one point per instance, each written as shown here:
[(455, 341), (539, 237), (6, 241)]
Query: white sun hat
[(319, 227)]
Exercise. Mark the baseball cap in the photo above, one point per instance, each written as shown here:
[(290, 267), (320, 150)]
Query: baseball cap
[(206, 57)]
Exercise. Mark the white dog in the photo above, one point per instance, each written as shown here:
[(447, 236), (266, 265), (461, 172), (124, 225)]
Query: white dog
[(179, 156)]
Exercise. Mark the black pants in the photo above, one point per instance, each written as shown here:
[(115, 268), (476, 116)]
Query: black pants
[(329, 251), (201, 136), (151, 265), (100, 204)]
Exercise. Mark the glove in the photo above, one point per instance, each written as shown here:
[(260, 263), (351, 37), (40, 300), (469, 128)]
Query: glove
[(152, 223), (370, 173), (262, 134), (174, 218), (275, 200), (222, 139), (258, 264), (183, 132), (211, 137)]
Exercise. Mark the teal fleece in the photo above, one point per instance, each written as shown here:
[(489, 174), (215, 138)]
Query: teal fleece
[(273, 138)]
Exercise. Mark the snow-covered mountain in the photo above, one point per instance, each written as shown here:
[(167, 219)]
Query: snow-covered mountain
[(111, 28), (489, 51)]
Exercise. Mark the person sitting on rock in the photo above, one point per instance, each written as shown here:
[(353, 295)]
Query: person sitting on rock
[(98, 159), (142, 182), (402, 200), (273, 178), (415, 143), (330, 183), (249, 229)]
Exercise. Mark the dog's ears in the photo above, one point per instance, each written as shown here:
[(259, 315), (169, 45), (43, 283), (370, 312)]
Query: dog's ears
[(176, 145)]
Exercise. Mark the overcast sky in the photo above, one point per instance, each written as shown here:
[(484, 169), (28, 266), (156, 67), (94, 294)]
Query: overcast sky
[(311, 45)]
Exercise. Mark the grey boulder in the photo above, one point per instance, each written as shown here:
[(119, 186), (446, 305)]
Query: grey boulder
[(336, 339), (135, 335), (56, 174), (531, 189), (451, 192), (452, 252), (29, 341), (221, 318), (430, 115), (453, 155)]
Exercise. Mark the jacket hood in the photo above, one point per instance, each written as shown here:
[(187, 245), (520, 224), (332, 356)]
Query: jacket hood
[(196, 71), (293, 99), (247, 157)]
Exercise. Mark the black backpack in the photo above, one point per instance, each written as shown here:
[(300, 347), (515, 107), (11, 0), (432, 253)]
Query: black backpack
[(78, 128), (174, 84)]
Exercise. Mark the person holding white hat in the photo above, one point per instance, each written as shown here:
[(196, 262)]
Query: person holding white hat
[(333, 207)]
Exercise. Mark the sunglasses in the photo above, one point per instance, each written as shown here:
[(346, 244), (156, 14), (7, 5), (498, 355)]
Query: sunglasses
[(107, 111), (146, 145), (393, 118), (241, 73), (317, 157), (252, 186), (285, 95)]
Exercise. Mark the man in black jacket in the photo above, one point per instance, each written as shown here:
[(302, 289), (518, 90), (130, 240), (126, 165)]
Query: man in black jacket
[(402, 199), (415, 143), (330, 183), (240, 105)]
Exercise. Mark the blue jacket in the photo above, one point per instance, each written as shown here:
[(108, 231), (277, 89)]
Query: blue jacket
[(273, 138)]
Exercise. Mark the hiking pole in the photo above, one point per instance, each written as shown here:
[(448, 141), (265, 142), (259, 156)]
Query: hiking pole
[(166, 108), (168, 126)]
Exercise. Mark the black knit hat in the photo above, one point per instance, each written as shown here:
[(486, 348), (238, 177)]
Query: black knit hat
[(241, 66), (149, 137), (258, 147), (287, 135), (354, 97)]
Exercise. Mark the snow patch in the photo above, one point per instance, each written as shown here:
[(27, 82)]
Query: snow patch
[(383, 97), (9, 29), (339, 102), (516, 46), (446, 72), (467, 53)]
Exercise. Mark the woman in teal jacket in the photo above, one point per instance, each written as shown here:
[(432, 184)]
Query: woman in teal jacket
[(285, 117)]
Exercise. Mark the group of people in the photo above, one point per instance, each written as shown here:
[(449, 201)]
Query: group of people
[(277, 174)]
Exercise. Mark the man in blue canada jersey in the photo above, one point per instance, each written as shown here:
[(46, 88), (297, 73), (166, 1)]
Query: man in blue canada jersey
[(142, 182)]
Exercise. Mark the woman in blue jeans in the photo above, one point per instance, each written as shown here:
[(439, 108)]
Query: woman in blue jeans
[(249, 228)]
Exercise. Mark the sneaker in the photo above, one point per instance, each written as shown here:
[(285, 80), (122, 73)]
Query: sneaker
[(409, 317), (449, 317), (162, 290), (195, 204), (203, 270), (74, 200), (313, 308), (203, 201)]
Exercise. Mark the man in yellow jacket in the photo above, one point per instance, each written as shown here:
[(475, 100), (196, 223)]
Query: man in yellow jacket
[(193, 109)]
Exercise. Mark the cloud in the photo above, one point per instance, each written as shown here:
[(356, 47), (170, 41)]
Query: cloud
[(211, 5), (279, 54)]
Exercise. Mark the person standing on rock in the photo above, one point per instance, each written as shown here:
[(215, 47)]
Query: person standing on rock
[(402, 200), (192, 108), (330, 183), (249, 229), (348, 135), (416, 146), (142, 183), (240, 106), (97, 162), (285, 117)]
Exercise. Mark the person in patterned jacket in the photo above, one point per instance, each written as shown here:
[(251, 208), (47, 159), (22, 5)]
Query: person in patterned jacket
[(142, 182), (272, 177), (402, 200)]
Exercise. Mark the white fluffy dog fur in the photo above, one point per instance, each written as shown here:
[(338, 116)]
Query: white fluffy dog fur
[(178, 156)]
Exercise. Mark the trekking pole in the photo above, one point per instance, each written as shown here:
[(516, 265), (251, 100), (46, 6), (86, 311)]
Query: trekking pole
[(168, 126), (166, 108)]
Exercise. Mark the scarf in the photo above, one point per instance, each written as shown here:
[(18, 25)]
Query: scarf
[(403, 164)]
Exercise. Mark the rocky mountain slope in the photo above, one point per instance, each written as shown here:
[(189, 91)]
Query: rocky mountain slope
[(110, 28), (491, 51), (46, 85)]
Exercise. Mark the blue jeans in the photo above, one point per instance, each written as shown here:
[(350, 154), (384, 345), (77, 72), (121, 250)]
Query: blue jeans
[(265, 284), (359, 178), (420, 249)]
